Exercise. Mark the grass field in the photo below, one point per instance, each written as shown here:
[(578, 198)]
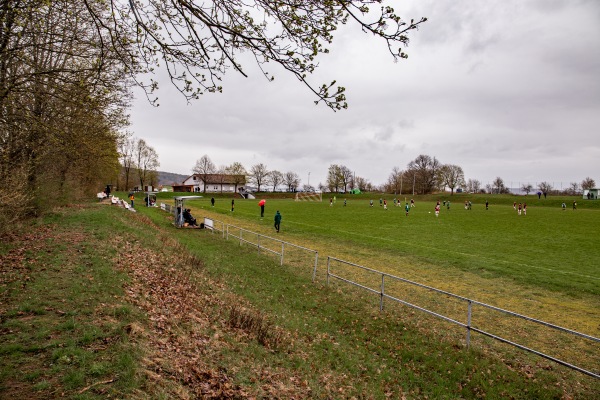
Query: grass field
[(548, 248), (540, 264), (98, 302)]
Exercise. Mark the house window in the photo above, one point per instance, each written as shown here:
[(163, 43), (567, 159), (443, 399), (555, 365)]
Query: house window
[(215, 188), (194, 178)]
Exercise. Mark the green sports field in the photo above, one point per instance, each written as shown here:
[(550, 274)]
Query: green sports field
[(548, 248), (541, 264)]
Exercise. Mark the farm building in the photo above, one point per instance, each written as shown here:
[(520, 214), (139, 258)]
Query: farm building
[(215, 183), (591, 194)]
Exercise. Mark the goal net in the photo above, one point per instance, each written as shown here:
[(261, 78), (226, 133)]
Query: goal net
[(305, 196)]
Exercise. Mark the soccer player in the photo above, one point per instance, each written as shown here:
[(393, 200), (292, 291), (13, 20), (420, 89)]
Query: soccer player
[(437, 209), (384, 204), (407, 209)]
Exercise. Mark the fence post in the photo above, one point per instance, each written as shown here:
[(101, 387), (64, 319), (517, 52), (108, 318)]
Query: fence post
[(382, 292), (315, 269), (328, 259), (258, 242), (223, 230), (241, 236), (469, 324), (282, 249)]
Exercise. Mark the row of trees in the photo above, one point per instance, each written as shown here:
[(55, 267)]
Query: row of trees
[(340, 178), (258, 175), (426, 174), (62, 101), (139, 163), (423, 175), (498, 186)]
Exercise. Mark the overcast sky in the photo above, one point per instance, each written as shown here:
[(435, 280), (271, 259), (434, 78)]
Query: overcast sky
[(507, 88)]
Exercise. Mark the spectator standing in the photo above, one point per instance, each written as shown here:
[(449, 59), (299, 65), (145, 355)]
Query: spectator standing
[(277, 221)]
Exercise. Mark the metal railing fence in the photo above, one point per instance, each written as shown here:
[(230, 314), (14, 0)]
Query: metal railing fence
[(468, 314), (269, 244), (212, 225)]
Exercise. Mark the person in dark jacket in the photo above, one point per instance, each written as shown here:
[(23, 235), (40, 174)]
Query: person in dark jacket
[(277, 221), (187, 217)]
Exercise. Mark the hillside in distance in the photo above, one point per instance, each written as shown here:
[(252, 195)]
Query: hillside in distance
[(168, 178)]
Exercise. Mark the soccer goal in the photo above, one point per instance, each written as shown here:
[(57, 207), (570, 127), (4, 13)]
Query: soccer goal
[(305, 196)]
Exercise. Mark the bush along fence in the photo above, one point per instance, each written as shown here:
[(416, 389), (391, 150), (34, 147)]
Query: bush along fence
[(441, 304)]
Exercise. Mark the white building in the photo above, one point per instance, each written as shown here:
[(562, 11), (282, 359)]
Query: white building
[(215, 183)]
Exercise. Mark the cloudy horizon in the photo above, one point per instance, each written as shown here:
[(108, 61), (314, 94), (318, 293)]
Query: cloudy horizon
[(505, 89)]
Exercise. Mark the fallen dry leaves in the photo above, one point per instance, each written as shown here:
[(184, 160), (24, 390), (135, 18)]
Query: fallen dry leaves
[(185, 330)]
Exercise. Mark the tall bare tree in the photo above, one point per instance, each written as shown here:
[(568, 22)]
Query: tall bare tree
[(452, 176), (527, 188), (275, 178), (258, 175), (588, 183), (204, 168), (334, 178), (146, 161), (394, 182), (545, 187), (424, 170), (498, 185), (126, 150), (345, 177), (238, 174), (291, 180)]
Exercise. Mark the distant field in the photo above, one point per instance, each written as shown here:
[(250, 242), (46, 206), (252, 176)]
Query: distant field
[(550, 248)]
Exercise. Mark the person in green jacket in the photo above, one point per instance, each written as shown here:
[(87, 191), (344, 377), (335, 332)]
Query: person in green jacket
[(277, 221)]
